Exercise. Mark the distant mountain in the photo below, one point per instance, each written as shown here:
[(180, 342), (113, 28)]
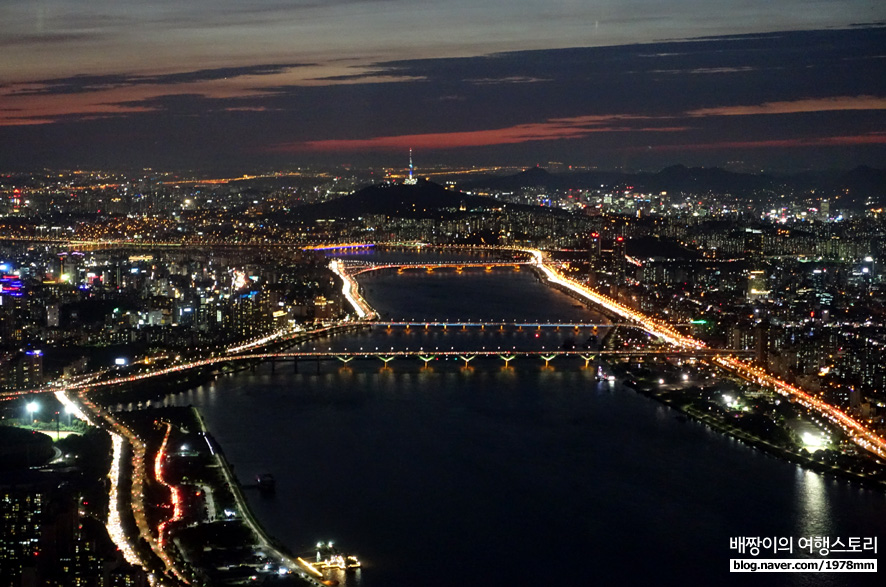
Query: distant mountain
[(422, 200), (679, 178), (532, 177), (541, 178), (426, 199), (862, 183), (676, 178)]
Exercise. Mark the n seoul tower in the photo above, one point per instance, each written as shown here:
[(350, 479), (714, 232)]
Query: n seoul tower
[(410, 180)]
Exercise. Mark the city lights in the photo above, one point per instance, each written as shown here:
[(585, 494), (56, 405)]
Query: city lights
[(674, 329), (458, 281)]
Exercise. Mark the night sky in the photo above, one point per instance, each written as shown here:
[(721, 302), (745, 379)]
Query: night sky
[(754, 84)]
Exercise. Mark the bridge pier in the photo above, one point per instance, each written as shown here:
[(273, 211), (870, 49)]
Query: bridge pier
[(547, 358), (467, 359), (344, 359), (588, 359), (427, 358), (273, 365), (507, 359), (386, 360)]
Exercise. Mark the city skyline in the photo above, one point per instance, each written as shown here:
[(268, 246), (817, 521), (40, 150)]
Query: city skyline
[(430, 352), (386, 293), (362, 82)]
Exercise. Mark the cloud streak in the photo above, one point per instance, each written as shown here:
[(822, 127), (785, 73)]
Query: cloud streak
[(583, 126), (551, 130), (514, 79), (806, 105), (97, 83), (875, 138)]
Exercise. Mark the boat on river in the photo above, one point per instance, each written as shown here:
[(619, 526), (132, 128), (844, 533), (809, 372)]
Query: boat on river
[(266, 482)]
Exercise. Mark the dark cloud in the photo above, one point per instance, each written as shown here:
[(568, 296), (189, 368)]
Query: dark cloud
[(46, 39), (786, 99), (93, 83), (508, 80)]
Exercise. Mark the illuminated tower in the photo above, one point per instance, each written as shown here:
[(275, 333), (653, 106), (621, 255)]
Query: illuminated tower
[(619, 261), (410, 180)]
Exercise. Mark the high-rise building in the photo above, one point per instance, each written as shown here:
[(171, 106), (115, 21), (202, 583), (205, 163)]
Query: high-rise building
[(52, 315), (44, 537), (619, 258), (30, 370), (595, 249), (22, 502), (757, 285)]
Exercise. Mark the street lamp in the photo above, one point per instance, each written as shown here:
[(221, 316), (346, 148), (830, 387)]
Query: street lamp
[(69, 410), (32, 407)]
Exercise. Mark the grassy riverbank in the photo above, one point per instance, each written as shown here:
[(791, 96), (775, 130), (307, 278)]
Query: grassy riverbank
[(759, 420)]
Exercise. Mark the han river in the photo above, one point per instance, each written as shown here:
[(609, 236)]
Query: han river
[(487, 476)]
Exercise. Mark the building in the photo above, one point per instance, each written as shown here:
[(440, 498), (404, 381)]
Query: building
[(23, 497), (44, 538), (757, 285)]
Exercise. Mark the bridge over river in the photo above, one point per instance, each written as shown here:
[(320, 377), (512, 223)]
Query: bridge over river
[(424, 355), (481, 324), (357, 268), (427, 355)]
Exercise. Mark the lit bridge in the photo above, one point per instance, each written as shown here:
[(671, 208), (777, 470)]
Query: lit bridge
[(505, 355), (482, 324), (424, 355), (459, 266)]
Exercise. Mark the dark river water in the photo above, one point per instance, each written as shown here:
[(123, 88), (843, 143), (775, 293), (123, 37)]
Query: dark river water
[(514, 476)]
